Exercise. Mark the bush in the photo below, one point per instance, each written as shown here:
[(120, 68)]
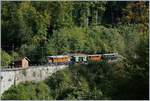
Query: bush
[(28, 91), (5, 58), (91, 40)]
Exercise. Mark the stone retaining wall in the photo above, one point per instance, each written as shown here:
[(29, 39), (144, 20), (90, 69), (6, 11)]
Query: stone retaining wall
[(9, 77)]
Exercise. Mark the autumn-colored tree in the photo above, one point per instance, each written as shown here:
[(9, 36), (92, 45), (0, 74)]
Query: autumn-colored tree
[(137, 12)]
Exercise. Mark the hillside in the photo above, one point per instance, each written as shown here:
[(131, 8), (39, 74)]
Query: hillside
[(40, 29), (93, 81)]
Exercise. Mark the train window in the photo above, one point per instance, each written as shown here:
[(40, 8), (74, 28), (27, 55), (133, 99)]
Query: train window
[(1, 77), (9, 79)]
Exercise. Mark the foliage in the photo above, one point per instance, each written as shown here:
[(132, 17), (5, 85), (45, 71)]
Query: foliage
[(67, 87), (113, 13), (28, 91), (82, 40), (93, 81), (26, 24), (5, 58), (38, 29), (65, 40), (14, 55), (136, 12), (48, 28), (105, 38)]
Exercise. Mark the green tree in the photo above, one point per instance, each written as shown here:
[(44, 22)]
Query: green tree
[(61, 15), (64, 40), (28, 91), (6, 59)]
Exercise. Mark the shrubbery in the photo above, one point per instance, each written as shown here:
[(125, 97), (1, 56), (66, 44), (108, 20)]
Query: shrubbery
[(28, 91), (5, 58)]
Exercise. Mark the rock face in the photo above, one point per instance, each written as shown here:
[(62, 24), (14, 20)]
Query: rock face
[(9, 77)]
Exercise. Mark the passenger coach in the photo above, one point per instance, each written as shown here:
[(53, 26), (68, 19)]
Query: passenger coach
[(95, 58), (81, 58), (58, 60)]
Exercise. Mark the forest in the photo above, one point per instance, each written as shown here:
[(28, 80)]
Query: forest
[(36, 29)]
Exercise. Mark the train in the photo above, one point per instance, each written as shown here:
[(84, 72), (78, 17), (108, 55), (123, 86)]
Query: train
[(81, 58)]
